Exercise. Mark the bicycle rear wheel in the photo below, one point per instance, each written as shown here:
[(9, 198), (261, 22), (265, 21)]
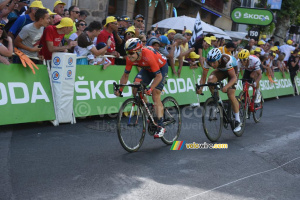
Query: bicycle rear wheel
[(172, 120), (212, 119), (131, 125), (258, 109)]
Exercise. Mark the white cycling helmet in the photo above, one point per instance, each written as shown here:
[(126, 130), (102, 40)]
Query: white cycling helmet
[(214, 55)]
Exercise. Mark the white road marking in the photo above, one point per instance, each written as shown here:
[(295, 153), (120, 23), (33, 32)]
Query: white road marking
[(221, 186)]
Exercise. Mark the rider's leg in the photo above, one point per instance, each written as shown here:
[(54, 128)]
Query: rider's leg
[(212, 79), (159, 109), (256, 76), (234, 103)]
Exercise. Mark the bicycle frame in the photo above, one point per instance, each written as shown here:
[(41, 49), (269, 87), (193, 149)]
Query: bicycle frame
[(140, 98), (248, 99)]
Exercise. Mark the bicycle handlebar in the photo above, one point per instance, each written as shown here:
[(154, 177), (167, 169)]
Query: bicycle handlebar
[(210, 84), (140, 87)]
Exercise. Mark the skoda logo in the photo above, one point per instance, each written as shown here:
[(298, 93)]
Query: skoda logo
[(69, 73), (56, 60), (55, 75), (70, 61), (237, 14)]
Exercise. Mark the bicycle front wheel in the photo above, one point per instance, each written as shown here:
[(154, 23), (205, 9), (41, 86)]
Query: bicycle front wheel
[(172, 120), (212, 119), (258, 109), (131, 125)]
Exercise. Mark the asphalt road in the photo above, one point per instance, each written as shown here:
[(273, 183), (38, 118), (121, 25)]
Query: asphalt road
[(86, 161)]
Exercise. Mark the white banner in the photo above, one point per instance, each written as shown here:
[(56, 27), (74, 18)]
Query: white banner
[(63, 69)]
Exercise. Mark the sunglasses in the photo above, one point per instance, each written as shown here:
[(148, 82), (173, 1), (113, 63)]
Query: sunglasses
[(130, 52), (188, 34), (1, 27), (83, 24), (140, 20), (144, 41), (244, 59), (77, 12), (130, 34)]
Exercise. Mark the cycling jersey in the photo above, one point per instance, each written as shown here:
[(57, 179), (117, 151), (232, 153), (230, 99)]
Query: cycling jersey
[(151, 61), (225, 65), (254, 64)]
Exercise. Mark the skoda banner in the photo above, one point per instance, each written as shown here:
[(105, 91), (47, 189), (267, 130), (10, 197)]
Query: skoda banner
[(252, 16), (63, 69)]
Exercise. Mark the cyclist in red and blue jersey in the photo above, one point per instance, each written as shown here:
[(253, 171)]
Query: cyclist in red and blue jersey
[(154, 67)]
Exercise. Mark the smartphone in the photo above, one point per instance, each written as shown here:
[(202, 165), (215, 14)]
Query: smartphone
[(40, 46), (184, 27)]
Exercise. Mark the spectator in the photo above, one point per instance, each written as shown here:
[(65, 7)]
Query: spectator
[(110, 26), (202, 52), (138, 23), (16, 8), (170, 34), (281, 65), (80, 26), (86, 45), (286, 49), (214, 42), (155, 43), (4, 14), (261, 45), (25, 19), (56, 20), (293, 64), (52, 16), (228, 48), (124, 24), (66, 13), (188, 34), (193, 58), (52, 37), (59, 8), (257, 52), (157, 33), (165, 48), (74, 15), (267, 47), (264, 38), (143, 39), (250, 45), (142, 29), (6, 46), (150, 33), (178, 53), (29, 38), (83, 15), (102, 61), (121, 47)]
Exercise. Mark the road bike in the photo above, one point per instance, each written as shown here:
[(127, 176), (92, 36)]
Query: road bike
[(217, 114), (249, 102), (135, 113)]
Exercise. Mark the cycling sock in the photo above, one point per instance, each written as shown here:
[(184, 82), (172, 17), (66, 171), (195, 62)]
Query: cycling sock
[(160, 122), (237, 117)]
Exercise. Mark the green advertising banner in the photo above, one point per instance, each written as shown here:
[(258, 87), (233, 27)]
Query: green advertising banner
[(94, 88), (253, 16), (25, 97)]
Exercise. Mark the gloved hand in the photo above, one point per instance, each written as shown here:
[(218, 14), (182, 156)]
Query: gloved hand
[(25, 60), (148, 91)]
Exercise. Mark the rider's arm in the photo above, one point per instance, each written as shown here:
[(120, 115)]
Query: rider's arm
[(233, 79), (203, 79)]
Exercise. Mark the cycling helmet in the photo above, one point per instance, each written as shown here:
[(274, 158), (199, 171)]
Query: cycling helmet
[(244, 54), (214, 55), (133, 44)]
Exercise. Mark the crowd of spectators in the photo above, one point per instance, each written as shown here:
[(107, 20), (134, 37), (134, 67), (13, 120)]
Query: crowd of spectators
[(38, 32)]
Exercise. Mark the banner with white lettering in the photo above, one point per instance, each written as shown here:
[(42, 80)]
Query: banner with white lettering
[(63, 70), (24, 96)]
